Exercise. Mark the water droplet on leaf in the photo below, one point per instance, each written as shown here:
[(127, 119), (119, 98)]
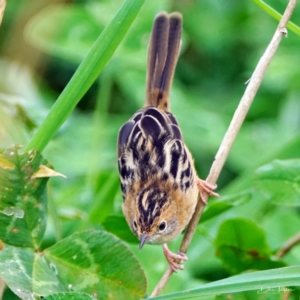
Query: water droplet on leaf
[(53, 268), (17, 212)]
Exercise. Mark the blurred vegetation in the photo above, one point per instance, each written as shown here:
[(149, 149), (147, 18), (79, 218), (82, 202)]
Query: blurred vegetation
[(42, 44)]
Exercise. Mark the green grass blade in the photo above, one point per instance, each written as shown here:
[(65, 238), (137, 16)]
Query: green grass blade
[(276, 15), (261, 281), (87, 72)]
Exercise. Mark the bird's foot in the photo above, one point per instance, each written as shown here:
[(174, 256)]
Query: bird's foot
[(175, 260), (206, 188)]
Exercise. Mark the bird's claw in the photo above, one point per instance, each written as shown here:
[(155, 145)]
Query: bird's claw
[(206, 188), (175, 260)]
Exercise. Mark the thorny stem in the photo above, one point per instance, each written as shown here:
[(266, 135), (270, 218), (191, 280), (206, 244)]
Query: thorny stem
[(232, 131)]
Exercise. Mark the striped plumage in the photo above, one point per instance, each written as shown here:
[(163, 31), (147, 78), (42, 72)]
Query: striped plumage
[(158, 178), (157, 175)]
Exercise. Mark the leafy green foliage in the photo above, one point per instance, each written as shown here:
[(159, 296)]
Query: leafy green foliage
[(220, 206), (97, 263), (242, 246), (91, 261), (69, 296), (279, 182), (27, 273), (23, 205)]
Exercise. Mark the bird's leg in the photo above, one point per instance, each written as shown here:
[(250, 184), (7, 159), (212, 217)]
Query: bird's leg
[(175, 260), (205, 187)]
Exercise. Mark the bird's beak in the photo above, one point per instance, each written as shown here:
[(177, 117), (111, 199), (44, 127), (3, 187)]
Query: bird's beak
[(143, 240)]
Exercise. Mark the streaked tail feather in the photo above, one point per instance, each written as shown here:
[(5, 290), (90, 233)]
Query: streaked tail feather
[(162, 58)]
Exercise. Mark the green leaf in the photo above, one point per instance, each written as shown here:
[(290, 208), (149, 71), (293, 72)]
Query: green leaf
[(87, 72), (119, 227), (27, 273), (97, 263), (70, 296), (242, 246), (280, 181), (23, 203), (92, 262), (260, 281), (276, 15), (223, 204), (265, 294)]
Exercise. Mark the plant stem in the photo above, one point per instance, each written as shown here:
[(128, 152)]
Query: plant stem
[(232, 132), (276, 15), (2, 9), (87, 72), (288, 245)]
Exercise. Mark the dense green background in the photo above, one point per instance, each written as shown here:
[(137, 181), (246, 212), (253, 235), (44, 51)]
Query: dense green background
[(42, 44)]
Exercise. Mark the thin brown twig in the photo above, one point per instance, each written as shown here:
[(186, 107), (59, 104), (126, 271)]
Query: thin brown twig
[(2, 9), (2, 287), (232, 131), (285, 249), (288, 245)]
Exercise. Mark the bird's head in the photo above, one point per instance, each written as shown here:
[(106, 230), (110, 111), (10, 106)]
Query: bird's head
[(153, 217)]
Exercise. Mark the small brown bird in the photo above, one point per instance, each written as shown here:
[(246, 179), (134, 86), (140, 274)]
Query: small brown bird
[(159, 182)]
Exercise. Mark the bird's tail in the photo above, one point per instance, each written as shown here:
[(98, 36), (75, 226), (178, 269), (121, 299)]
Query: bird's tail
[(162, 58)]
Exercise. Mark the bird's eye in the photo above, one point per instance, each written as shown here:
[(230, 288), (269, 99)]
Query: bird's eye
[(162, 226), (134, 225)]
